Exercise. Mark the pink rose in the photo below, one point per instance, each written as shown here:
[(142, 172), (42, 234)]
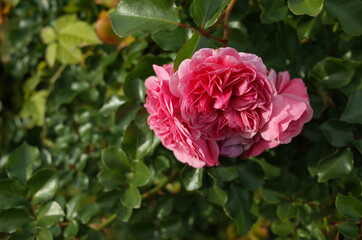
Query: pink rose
[(291, 110), (224, 94), (165, 120)]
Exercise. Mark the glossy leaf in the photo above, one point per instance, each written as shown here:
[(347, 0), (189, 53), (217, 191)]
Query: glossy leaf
[(206, 12), (353, 113), (332, 73), (223, 173), (171, 40), (43, 185), (88, 212), (124, 213), (272, 11), (338, 133), (44, 234), (49, 214), (187, 49), (116, 159), (192, 178), (132, 16), (349, 230), (349, 206), (215, 195), (13, 219), (238, 206), (11, 193), (131, 197), (71, 230), (21, 160), (336, 165), (309, 7), (349, 14), (141, 174), (112, 104)]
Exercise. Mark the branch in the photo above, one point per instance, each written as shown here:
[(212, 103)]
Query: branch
[(226, 22)]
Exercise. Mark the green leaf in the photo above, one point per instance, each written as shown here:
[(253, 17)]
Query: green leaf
[(68, 54), (171, 40), (349, 230), (131, 197), (206, 12), (134, 89), (88, 212), (132, 16), (48, 35), (141, 174), (11, 193), (270, 171), (353, 112), (187, 49), (111, 178), (238, 207), (272, 11), (44, 234), (215, 195), (283, 229), (116, 159), (49, 214), (271, 196), (13, 219), (124, 213), (192, 178), (333, 73), (42, 186), (111, 105), (73, 206), (126, 114), (71, 230), (337, 165), (34, 108), (223, 173), (78, 34), (309, 7), (349, 206), (338, 133), (138, 142), (144, 69), (349, 14), (51, 54), (251, 175), (286, 210), (65, 21), (20, 163)]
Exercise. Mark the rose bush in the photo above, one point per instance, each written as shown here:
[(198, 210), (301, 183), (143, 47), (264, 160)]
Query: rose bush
[(224, 101)]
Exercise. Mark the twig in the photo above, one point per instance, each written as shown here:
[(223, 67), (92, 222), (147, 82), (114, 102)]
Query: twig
[(226, 22), (107, 222), (57, 74), (159, 186), (202, 32)]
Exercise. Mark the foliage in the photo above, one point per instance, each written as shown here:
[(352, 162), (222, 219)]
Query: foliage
[(78, 161)]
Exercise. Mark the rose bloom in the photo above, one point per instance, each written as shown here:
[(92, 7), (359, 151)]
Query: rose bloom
[(223, 102), (291, 110), (186, 143), (224, 93)]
